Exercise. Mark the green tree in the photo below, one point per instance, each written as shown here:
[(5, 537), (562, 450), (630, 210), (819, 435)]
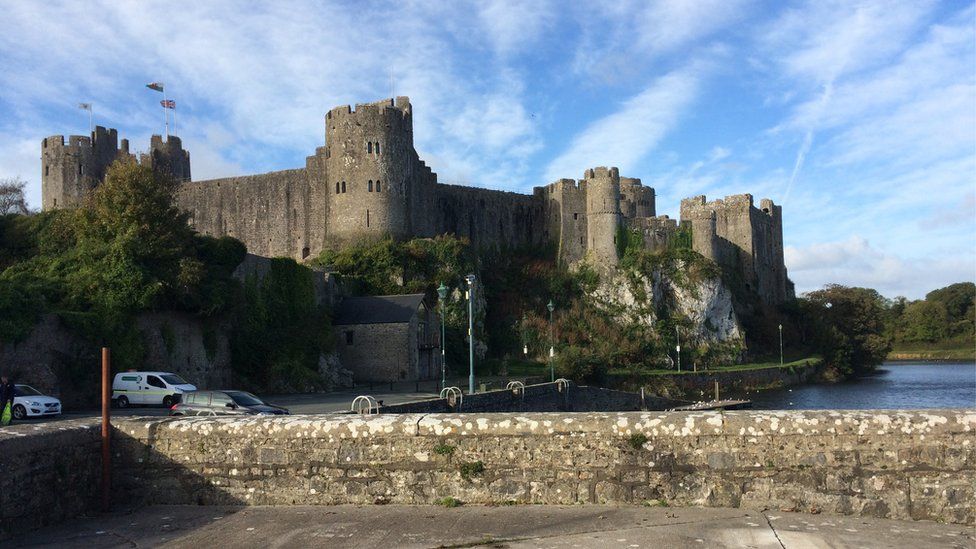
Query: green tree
[(847, 326), (924, 321)]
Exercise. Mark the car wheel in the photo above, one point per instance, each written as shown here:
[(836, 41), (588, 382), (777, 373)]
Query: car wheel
[(19, 412), (167, 401), (122, 402)]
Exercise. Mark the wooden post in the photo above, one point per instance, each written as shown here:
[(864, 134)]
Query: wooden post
[(106, 429)]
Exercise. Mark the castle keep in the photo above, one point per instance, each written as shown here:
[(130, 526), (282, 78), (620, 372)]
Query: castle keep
[(368, 181)]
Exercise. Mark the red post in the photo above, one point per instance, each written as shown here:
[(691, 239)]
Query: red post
[(106, 428)]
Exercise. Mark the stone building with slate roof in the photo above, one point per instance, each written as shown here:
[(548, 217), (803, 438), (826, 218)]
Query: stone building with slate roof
[(388, 338)]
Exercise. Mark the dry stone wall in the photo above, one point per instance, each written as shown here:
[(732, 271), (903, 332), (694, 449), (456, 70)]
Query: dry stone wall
[(903, 465)]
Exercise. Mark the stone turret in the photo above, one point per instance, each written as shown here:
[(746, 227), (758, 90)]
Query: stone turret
[(602, 214), (69, 171), (168, 157), (368, 155), (743, 239), (636, 200)]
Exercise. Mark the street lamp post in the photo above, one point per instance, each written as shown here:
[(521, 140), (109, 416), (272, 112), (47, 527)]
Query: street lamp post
[(470, 279), (442, 294), (552, 348), (677, 348), (781, 345), (525, 341)]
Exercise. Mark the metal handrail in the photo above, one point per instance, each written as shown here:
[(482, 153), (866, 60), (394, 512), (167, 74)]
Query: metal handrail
[(563, 383)]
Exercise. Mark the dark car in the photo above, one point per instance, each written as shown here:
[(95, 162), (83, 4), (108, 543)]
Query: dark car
[(220, 403)]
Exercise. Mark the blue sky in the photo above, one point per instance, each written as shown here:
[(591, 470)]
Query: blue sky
[(858, 117)]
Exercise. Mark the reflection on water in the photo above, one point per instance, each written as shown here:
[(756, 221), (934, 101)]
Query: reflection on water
[(896, 385)]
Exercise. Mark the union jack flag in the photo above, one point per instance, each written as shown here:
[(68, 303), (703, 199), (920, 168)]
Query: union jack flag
[(168, 104)]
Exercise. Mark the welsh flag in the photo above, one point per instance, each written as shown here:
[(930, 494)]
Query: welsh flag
[(157, 86)]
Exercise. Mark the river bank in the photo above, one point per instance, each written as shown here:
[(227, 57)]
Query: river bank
[(733, 382), (939, 355)]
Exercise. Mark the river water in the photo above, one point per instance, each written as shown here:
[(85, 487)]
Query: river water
[(895, 385)]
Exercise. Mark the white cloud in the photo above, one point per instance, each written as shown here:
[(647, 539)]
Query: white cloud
[(21, 158), (855, 262), (619, 38), (513, 26), (268, 74), (624, 137)]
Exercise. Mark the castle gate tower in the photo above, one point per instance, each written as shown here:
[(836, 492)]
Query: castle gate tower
[(368, 152), (70, 171), (602, 214)]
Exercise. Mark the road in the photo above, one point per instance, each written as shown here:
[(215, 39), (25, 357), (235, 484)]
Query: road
[(309, 403), (518, 526)]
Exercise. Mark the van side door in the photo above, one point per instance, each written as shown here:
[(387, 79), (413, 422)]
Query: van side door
[(154, 390)]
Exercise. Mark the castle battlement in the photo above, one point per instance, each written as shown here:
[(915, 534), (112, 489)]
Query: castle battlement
[(367, 181)]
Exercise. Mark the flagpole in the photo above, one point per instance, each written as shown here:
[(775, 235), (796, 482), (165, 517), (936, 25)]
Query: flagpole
[(91, 119), (165, 112), (176, 131)]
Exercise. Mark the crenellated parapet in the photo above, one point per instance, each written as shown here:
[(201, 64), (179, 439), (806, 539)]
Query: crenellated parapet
[(70, 170), (368, 181), (371, 168), (742, 238)]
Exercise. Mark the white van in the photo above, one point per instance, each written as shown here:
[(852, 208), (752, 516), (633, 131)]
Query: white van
[(148, 388)]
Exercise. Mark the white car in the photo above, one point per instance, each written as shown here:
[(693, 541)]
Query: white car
[(29, 402)]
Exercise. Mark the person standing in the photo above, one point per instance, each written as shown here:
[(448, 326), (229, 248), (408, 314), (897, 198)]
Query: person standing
[(6, 400)]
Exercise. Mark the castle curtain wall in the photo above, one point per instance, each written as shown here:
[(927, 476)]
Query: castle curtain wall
[(273, 214)]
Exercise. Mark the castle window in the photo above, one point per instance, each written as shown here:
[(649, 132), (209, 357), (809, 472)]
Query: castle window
[(367, 218), (369, 188), (369, 147), (55, 202), (81, 170), (581, 241), (377, 185), (343, 186), (377, 147), (575, 215), (305, 252), (337, 187), (46, 169)]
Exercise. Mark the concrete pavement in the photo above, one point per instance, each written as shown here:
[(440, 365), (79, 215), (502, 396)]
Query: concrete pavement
[(524, 526)]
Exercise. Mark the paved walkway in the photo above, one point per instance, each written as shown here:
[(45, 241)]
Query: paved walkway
[(524, 526)]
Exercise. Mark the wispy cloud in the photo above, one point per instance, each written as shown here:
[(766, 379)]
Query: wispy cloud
[(856, 262), (624, 137)]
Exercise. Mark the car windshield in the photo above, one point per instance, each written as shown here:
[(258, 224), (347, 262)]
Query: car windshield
[(174, 379), (245, 399), (25, 390)]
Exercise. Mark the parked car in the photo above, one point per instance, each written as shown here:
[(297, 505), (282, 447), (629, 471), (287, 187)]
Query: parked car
[(156, 388), (220, 403), (29, 402)]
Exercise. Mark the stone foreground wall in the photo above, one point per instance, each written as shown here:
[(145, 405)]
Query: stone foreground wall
[(49, 472), (902, 465)]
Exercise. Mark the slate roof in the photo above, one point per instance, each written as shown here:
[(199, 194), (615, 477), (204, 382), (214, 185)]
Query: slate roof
[(379, 309)]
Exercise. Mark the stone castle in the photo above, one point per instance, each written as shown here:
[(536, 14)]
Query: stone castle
[(368, 181)]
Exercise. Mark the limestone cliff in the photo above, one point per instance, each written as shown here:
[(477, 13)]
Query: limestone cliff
[(700, 303)]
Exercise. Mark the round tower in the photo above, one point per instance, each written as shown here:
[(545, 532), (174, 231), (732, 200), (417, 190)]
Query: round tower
[(602, 214), (367, 158)]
